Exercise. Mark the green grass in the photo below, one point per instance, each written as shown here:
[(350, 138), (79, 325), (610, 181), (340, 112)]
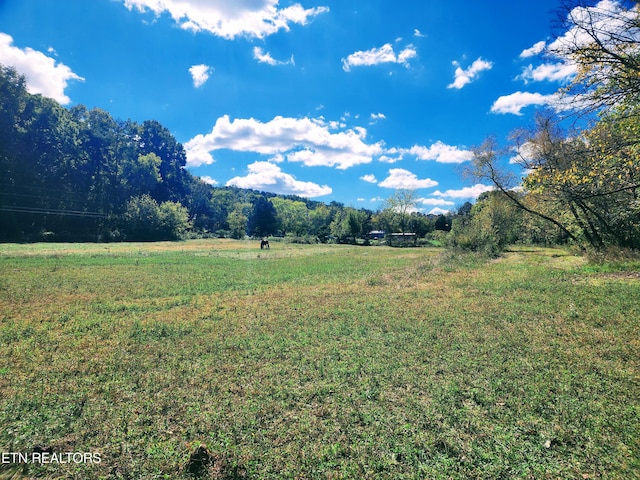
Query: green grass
[(319, 361)]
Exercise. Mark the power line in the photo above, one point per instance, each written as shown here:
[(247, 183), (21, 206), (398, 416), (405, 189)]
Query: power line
[(52, 211)]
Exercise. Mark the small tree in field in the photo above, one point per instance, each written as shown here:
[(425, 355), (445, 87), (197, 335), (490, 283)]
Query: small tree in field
[(400, 205), (237, 220), (262, 220), (174, 220), (349, 225)]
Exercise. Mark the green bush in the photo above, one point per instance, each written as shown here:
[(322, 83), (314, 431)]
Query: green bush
[(174, 220), (470, 234), (302, 239), (145, 220), (437, 237)]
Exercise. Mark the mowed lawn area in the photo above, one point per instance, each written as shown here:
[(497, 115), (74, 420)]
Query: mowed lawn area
[(317, 361)]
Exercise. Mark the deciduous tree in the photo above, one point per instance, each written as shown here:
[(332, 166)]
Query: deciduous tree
[(400, 205), (603, 41), (263, 218)]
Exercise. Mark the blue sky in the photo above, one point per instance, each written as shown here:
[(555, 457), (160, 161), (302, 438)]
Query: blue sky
[(341, 100)]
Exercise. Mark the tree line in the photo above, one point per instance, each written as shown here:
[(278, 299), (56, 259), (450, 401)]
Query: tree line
[(78, 174)]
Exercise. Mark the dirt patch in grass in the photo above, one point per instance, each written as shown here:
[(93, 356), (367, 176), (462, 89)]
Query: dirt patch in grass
[(620, 276), (602, 278)]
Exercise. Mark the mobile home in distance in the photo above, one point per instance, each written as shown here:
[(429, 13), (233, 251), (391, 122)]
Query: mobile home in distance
[(376, 235)]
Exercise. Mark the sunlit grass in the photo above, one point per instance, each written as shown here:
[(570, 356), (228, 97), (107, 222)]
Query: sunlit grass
[(319, 361)]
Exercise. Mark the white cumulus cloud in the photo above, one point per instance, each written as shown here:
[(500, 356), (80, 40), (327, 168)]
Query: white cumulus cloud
[(438, 211), (549, 72), (44, 75), (197, 153), (466, 76), (440, 152), (230, 19), (515, 102), (265, 57), (439, 202), (388, 159), (466, 192), (268, 176), (376, 117), (208, 180), (370, 178), (377, 56), (200, 74), (606, 16), (536, 49), (314, 142), (401, 178)]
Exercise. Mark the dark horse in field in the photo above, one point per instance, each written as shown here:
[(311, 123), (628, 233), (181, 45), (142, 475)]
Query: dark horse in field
[(264, 244)]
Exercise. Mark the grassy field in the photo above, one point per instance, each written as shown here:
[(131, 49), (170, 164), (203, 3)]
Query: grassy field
[(317, 362)]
